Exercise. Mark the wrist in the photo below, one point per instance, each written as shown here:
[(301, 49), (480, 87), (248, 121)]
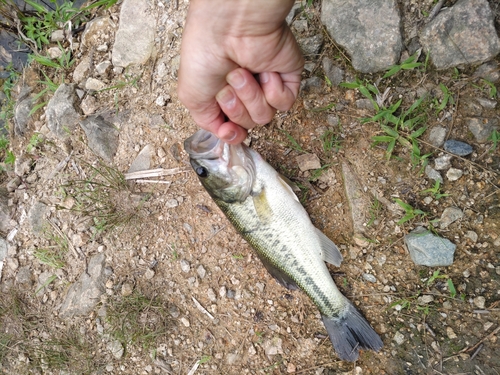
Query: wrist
[(238, 18)]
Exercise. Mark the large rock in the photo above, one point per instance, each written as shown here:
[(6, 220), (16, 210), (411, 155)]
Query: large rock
[(102, 136), (61, 113), (22, 112), (134, 39), (85, 293), (427, 249), (462, 34), (370, 31), (4, 211)]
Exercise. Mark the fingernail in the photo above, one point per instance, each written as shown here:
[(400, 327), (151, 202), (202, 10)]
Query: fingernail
[(236, 79), (264, 77), (229, 137), (225, 97)]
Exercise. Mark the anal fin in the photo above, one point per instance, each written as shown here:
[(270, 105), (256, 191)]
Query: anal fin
[(330, 253)]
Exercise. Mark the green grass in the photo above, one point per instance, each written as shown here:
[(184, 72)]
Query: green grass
[(330, 141), (409, 64), (410, 212), (293, 143), (494, 138), (435, 191)]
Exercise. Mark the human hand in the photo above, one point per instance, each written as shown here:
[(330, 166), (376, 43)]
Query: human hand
[(238, 59)]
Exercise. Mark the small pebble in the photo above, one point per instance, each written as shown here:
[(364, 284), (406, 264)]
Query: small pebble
[(149, 274), (487, 325), (458, 148), (425, 299), (454, 174), (127, 289), (450, 333), (443, 162), (480, 302), (171, 203), (466, 273), (369, 277), (450, 215), (399, 338), (291, 368), (201, 271), (471, 235), (433, 174), (185, 321), (222, 291), (230, 294), (211, 295), (185, 266)]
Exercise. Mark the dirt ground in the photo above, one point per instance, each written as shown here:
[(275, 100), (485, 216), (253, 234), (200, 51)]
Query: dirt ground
[(176, 231)]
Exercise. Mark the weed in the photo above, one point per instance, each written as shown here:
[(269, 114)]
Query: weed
[(374, 211), (137, 320), (35, 141), (51, 257), (494, 137), (105, 3), (238, 256), (410, 212), (63, 62), (318, 172), (295, 145), (492, 88), (49, 87), (104, 196), (204, 359), (435, 191), (408, 64), (449, 282), (49, 281), (447, 98), (7, 86), (330, 141)]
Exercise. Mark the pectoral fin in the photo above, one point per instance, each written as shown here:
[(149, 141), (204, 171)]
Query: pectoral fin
[(262, 208), (329, 251)]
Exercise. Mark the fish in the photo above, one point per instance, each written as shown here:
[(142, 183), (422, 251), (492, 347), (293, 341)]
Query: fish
[(261, 205)]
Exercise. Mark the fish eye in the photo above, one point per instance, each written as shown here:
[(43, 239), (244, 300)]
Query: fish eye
[(201, 172)]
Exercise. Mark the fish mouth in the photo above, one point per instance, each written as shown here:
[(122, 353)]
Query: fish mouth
[(204, 145)]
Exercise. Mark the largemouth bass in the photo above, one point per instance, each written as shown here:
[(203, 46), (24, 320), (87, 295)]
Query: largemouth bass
[(266, 212)]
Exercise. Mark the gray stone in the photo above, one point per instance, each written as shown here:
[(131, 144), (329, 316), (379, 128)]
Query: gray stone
[(489, 71), (433, 174), (82, 70), (55, 52), (437, 136), (22, 115), (36, 217), (61, 114), (399, 338), (3, 249), (102, 136), (89, 105), (4, 211), (103, 67), (454, 174), (369, 277), (93, 84), (359, 201), (425, 299), (462, 34), (43, 283), (457, 147), (143, 160), (333, 72), (450, 215), (472, 236), (482, 128), (480, 302), (307, 162), (311, 45), (23, 275), (185, 266), (364, 104), (201, 271), (93, 30), (116, 348), (231, 294), (443, 162), (332, 120), (85, 293), (427, 249), (57, 36), (273, 346), (487, 103), (313, 84), (369, 31), (134, 39), (296, 9)]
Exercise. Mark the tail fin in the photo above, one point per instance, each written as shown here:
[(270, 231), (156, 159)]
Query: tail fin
[(350, 333)]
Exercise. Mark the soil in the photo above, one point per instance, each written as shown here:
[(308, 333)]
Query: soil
[(250, 313)]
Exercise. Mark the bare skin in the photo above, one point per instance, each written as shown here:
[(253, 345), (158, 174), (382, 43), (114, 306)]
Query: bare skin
[(240, 63)]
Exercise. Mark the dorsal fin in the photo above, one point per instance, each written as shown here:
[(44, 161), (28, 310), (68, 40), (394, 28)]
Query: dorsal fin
[(288, 185), (330, 253)]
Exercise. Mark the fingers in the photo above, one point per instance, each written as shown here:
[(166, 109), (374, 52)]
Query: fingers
[(243, 100), (280, 90)]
